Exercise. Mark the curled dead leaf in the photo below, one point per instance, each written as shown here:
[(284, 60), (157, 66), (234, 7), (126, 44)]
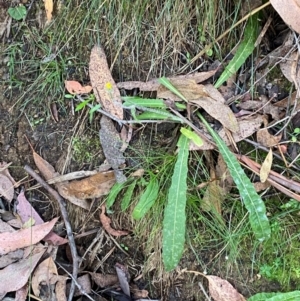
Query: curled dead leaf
[(74, 87), (106, 221)]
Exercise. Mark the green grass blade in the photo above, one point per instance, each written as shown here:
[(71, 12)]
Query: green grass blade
[(156, 114), (174, 213), (165, 82), (262, 296), (128, 196), (147, 199), (290, 296), (143, 102), (113, 194), (244, 50), (252, 201)]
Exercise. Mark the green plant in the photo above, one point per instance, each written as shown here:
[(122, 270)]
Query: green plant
[(18, 12), (174, 223), (244, 50), (295, 134), (291, 296)]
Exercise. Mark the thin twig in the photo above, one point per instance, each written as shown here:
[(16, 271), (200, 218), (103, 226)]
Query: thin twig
[(203, 291), (64, 213), (76, 283)]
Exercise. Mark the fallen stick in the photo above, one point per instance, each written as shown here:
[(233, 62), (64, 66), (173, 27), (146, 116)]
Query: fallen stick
[(64, 213)]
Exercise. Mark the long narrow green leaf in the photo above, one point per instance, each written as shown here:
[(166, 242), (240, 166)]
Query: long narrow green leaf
[(147, 199), (262, 296), (128, 196), (143, 102), (157, 115), (290, 296), (244, 50), (174, 213), (165, 82), (113, 194), (253, 203)]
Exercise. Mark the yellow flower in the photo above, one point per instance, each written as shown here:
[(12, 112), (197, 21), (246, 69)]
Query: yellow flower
[(108, 86)]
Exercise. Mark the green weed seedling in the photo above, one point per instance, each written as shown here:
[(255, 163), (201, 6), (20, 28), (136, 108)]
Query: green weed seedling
[(295, 135), (18, 12)]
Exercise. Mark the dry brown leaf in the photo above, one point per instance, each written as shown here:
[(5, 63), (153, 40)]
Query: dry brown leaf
[(105, 88), (104, 280), (213, 198), (5, 227), (6, 188), (12, 241), (21, 294), (269, 108), (289, 11), (43, 275), (222, 290), (64, 192), (11, 257), (26, 211), (74, 87), (288, 65), (48, 172), (154, 84), (123, 276), (11, 218), (205, 146), (213, 195), (259, 186), (5, 171), (246, 127), (112, 147), (48, 9), (287, 101), (61, 288), (46, 169), (266, 139), (188, 88), (266, 167), (250, 105), (54, 111), (19, 272), (207, 97), (85, 284), (138, 293), (138, 173), (93, 186), (222, 172), (105, 220), (264, 105)]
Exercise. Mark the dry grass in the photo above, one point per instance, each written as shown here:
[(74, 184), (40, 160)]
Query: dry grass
[(142, 40)]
